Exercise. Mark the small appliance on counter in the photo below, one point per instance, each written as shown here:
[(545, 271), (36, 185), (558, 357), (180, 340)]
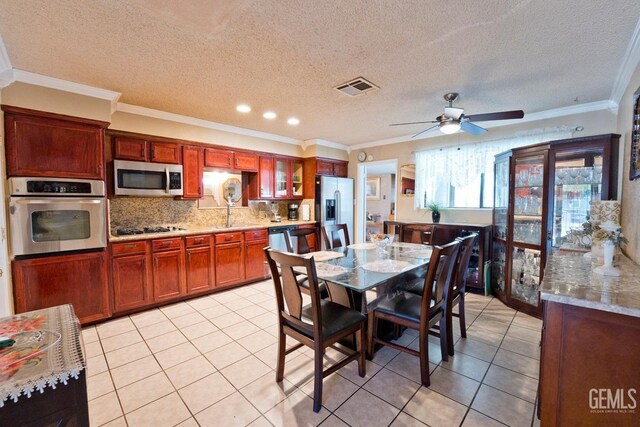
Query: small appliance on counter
[(292, 213), (274, 211)]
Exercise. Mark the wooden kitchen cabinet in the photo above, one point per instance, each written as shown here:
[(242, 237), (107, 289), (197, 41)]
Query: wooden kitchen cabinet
[(255, 260), (320, 166), (288, 178), (79, 279), (192, 169), (232, 160), (130, 276), (53, 145), (265, 179), (164, 152), (229, 257), (168, 269), (199, 264)]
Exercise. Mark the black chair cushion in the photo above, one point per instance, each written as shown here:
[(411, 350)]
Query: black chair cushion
[(335, 317), (404, 305)]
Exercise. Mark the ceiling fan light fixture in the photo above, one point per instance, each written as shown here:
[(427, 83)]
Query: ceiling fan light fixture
[(450, 127)]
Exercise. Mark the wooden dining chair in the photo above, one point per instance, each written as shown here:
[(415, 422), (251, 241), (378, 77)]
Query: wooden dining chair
[(457, 291), (297, 240), (335, 236), (419, 312), (419, 233), (318, 325)]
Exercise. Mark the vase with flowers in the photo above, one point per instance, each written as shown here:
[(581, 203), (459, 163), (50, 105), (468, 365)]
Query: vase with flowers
[(610, 237)]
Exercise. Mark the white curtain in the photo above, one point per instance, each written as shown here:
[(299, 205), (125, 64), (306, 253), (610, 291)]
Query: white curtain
[(439, 170)]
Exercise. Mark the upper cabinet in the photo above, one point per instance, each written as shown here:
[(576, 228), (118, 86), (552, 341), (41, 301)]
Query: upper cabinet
[(232, 160), (192, 165), (53, 145), (320, 166), (131, 148), (288, 178)]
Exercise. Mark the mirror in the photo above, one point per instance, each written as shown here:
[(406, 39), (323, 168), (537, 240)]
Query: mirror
[(407, 180), (232, 189)]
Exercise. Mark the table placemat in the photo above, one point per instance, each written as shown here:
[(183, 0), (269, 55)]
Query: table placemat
[(362, 246), (320, 256), (387, 266)]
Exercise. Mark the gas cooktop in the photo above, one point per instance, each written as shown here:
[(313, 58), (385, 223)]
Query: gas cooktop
[(132, 231)]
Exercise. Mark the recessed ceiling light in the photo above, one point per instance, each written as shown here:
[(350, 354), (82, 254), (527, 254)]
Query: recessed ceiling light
[(243, 108), (293, 121), (270, 115)]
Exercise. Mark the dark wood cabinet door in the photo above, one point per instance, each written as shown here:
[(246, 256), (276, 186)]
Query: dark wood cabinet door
[(165, 152), (245, 162), (229, 263), (130, 149), (168, 275), (51, 145), (340, 169), (255, 261), (266, 177), (218, 158), (77, 279), (131, 288), (192, 165), (324, 167), (199, 269)]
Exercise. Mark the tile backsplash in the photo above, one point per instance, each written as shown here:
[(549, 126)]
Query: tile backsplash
[(138, 212)]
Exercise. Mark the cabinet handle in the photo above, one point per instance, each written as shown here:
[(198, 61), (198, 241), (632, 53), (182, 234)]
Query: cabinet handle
[(130, 246), (189, 256), (164, 244), (200, 240), (142, 152)]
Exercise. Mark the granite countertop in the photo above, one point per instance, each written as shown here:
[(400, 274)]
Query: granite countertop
[(569, 279), (190, 230)]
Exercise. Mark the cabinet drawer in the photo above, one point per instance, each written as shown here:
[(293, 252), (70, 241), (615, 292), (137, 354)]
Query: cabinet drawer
[(165, 244), (192, 241), (129, 248), (228, 237), (256, 234)]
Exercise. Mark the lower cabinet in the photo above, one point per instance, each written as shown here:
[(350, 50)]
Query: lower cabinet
[(78, 279), (130, 282), (200, 265), (229, 258), (168, 274), (255, 260)]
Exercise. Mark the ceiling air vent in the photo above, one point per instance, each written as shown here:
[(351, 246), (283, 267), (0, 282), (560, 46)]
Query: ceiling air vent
[(357, 87)]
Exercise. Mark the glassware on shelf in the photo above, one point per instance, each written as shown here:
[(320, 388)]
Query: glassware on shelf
[(525, 275)]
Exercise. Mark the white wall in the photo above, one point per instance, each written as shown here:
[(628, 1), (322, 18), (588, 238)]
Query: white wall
[(6, 294)]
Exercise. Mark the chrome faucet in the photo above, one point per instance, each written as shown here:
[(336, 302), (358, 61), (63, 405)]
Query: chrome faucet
[(229, 200)]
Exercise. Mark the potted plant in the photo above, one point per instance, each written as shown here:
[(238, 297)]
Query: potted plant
[(434, 207)]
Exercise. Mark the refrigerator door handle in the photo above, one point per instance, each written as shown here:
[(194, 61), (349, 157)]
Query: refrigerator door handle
[(336, 195)]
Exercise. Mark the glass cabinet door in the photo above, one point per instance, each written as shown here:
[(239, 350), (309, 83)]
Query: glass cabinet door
[(577, 181), (281, 178), (296, 178), (500, 208), (525, 275), (528, 200)]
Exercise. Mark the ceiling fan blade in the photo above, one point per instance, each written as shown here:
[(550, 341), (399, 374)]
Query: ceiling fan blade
[(413, 123), (471, 128), (501, 115), (426, 130), (453, 112)]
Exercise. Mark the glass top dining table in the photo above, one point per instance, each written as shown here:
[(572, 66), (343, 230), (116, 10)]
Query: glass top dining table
[(369, 272)]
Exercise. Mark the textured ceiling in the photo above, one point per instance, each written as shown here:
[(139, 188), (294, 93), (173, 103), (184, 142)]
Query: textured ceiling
[(202, 58)]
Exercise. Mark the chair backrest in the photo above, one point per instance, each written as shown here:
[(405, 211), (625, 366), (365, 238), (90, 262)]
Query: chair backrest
[(464, 255), (332, 236), (416, 233), (296, 240), (288, 293), (439, 277)]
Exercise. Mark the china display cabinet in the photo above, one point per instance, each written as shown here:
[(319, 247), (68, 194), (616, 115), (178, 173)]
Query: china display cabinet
[(542, 195)]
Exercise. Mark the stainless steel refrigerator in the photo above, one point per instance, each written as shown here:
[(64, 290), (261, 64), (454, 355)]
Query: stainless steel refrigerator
[(334, 202)]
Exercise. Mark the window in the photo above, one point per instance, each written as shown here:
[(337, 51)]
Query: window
[(462, 176)]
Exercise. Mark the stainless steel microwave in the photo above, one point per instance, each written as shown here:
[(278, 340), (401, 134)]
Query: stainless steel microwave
[(147, 179)]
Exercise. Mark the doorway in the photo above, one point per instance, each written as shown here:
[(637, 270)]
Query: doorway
[(376, 190)]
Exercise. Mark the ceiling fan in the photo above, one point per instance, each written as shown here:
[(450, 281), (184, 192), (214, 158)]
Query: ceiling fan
[(453, 119)]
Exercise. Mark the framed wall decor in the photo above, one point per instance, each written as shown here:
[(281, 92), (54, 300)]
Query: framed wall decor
[(634, 167), (372, 188)]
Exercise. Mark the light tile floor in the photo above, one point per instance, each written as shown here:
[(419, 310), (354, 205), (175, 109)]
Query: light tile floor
[(210, 361)]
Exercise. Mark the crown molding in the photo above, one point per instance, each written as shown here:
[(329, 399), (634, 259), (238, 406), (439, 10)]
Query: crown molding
[(178, 118), (629, 65), (528, 117), (325, 143), (66, 86)]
